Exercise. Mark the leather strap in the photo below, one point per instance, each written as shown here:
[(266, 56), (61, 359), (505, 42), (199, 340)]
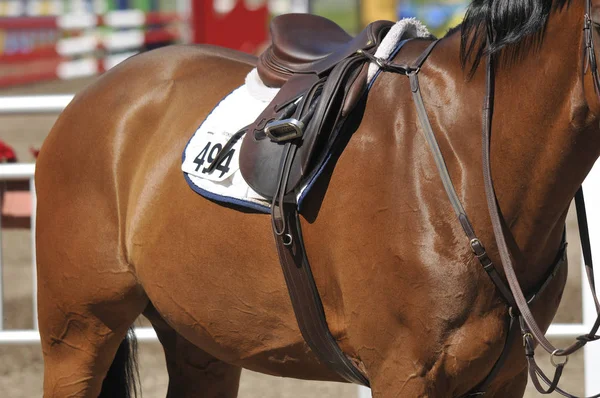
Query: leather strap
[(475, 244), (302, 289), (586, 246), (532, 333), (404, 69), (306, 300), (304, 295), (494, 210)]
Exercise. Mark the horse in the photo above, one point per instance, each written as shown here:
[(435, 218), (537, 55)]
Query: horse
[(119, 233)]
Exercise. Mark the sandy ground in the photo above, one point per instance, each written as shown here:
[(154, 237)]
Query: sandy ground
[(21, 366)]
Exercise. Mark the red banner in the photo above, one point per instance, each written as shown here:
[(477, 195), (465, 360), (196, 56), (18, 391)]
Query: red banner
[(241, 28)]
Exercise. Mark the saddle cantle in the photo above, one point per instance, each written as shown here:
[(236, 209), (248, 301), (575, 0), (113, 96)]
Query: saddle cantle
[(294, 48), (305, 43), (322, 73)]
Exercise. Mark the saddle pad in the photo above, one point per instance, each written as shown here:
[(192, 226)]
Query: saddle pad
[(226, 184), (239, 109)]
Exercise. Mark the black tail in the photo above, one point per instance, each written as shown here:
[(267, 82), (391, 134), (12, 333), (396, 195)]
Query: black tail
[(122, 379)]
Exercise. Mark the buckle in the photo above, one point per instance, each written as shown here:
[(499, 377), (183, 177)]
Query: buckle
[(284, 130), (525, 337), (411, 71), (476, 247)]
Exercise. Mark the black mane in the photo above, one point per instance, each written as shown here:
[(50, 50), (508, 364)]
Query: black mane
[(516, 26)]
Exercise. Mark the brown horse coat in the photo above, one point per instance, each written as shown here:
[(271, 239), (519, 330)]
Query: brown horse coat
[(120, 233)]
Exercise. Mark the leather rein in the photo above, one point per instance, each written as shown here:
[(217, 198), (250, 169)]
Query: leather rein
[(532, 333), (518, 303)]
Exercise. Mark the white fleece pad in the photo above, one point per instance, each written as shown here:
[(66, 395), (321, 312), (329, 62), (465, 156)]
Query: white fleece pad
[(236, 111), (407, 28)]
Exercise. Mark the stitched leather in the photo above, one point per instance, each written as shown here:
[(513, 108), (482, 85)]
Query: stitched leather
[(338, 80), (305, 44)]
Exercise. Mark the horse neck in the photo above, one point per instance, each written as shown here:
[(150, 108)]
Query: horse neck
[(545, 140)]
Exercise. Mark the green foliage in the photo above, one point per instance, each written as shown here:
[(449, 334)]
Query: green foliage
[(345, 13)]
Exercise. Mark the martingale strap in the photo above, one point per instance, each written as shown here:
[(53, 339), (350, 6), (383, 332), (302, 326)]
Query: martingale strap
[(474, 242), (531, 331), (517, 301)]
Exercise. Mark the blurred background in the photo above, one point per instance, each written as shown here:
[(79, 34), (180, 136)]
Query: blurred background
[(42, 40), (51, 49)]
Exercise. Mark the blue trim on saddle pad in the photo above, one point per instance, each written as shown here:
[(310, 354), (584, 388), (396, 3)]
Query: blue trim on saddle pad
[(226, 199)]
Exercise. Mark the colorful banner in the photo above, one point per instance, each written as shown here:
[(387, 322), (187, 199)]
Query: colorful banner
[(438, 16)]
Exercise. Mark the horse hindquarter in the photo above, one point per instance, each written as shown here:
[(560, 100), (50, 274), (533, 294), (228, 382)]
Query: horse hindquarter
[(99, 166)]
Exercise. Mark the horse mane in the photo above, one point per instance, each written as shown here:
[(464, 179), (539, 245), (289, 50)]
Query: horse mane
[(515, 27)]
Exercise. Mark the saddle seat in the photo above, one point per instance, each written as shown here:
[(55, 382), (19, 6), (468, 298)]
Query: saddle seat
[(305, 43)]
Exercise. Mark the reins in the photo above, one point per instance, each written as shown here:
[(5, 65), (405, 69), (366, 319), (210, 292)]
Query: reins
[(530, 329), (518, 303)]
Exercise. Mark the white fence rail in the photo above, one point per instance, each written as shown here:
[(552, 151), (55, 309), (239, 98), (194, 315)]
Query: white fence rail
[(56, 103), (20, 105), (14, 105), (21, 172)]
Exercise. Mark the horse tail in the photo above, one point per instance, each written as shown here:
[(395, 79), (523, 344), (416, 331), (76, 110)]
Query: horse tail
[(122, 379)]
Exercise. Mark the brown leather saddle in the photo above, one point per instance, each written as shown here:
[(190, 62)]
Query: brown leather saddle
[(322, 72), (322, 75)]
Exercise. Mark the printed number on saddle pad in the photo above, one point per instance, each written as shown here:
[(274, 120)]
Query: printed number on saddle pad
[(205, 152)]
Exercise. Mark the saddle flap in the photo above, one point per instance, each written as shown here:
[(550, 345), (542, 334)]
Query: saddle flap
[(260, 158)]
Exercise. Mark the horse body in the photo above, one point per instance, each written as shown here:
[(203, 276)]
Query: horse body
[(402, 293)]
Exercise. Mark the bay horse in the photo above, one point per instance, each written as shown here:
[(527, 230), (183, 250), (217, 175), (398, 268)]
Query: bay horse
[(119, 233)]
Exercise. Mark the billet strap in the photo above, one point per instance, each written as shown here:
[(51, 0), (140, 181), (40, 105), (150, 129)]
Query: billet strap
[(306, 301)]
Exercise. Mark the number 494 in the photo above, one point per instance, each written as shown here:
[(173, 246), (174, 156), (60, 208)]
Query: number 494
[(211, 151)]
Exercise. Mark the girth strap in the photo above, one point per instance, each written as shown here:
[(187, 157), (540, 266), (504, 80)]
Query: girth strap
[(304, 295), (306, 300)]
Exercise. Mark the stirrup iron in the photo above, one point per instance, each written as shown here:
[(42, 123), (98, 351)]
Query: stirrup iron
[(284, 130)]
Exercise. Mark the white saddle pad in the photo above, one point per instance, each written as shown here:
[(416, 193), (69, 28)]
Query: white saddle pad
[(234, 112)]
